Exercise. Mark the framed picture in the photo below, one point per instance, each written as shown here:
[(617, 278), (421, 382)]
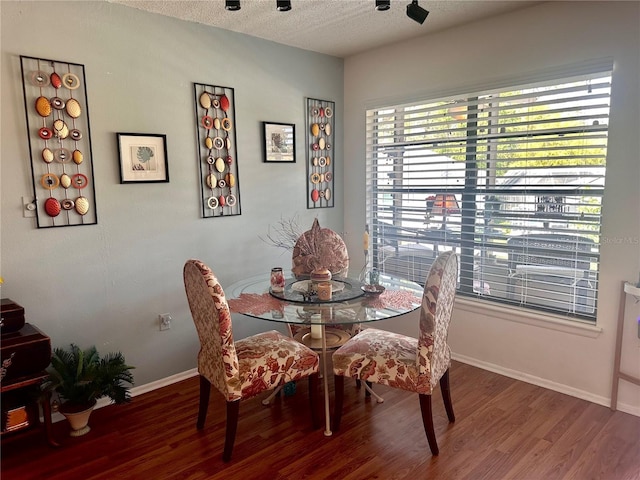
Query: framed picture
[(279, 142), (143, 158)]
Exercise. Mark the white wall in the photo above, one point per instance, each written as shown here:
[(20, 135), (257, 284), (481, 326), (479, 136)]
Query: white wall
[(535, 39), (105, 284)]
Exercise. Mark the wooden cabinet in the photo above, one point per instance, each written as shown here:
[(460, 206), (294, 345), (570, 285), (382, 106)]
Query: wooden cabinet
[(21, 398), (25, 352)]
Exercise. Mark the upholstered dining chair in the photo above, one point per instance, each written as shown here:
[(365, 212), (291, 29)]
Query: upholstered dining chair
[(244, 368), (415, 365)]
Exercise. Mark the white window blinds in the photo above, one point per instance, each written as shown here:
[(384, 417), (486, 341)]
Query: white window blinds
[(511, 179)]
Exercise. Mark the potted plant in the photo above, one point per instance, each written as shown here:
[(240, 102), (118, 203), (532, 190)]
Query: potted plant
[(80, 377)]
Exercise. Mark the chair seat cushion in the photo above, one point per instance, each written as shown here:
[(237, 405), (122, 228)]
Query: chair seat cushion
[(269, 359), (382, 357)]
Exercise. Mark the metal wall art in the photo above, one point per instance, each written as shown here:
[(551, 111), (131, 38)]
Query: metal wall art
[(143, 158), (57, 114), (320, 148), (279, 140), (217, 154)]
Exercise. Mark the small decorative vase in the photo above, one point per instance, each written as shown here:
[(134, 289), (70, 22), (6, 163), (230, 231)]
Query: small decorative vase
[(277, 280), (370, 276), (79, 421)]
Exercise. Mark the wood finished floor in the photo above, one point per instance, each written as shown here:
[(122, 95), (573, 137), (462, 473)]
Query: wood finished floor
[(504, 429)]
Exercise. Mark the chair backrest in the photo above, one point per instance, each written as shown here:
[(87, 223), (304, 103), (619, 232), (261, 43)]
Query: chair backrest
[(435, 315), (320, 248), (217, 359)]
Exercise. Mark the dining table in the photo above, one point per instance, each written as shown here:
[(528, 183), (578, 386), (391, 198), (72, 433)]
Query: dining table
[(324, 325)]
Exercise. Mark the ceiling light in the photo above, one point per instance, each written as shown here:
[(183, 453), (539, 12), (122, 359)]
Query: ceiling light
[(283, 5), (416, 12), (234, 5), (382, 5)]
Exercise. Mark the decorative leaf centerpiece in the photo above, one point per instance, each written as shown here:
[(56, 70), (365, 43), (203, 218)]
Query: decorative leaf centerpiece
[(320, 248)]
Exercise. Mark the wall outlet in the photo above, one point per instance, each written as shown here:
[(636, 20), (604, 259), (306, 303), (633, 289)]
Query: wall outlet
[(164, 320)]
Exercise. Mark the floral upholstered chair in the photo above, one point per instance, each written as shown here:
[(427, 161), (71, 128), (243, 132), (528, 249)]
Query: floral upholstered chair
[(244, 368), (415, 365)]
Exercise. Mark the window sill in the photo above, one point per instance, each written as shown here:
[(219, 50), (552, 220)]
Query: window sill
[(527, 317)]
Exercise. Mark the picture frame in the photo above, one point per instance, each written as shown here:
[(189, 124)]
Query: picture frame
[(143, 158), (279, 142)]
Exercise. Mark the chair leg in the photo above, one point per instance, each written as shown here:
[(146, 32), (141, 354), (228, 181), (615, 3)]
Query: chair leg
[(233, 409), (427, 421), (339, 400), (205, 389), (446, 395), (313, 400)]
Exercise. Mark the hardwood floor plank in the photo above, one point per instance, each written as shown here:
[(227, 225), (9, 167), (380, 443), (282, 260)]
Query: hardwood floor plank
[(504, 429), (610, 453), (569, 446)]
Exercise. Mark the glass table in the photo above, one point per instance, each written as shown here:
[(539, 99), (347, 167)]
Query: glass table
[(350, 304)]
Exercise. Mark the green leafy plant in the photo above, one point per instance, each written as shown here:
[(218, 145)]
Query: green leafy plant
[(80, 377)]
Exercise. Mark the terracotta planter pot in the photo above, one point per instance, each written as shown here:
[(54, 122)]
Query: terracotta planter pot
[(78, 418)]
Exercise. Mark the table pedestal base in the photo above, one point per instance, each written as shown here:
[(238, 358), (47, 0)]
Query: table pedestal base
[(332, 339)]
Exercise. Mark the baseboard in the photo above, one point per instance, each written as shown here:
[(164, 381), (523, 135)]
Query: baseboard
[(135, 391), (541, 382), (163, 382)]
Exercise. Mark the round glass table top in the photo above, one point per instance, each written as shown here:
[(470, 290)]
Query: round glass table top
[(353, 303)]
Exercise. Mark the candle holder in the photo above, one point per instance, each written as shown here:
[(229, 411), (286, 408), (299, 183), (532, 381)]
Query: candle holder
[(324, 291)]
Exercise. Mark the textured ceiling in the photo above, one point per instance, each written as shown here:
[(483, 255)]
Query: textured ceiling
[(334, 27)]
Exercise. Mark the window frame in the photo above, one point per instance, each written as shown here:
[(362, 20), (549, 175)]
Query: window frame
[(466, 243)]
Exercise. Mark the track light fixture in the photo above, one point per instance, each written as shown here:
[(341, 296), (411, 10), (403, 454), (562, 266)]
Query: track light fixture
[(283, 5), (232, 5), (416, 12), (382, 5)]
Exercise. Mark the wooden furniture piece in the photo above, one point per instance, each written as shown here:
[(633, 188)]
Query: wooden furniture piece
[(627, 289), (244, 368), (11, 316), (25, 352), (413, 364), (20, 400)]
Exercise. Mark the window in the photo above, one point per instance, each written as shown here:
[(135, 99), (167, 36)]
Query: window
[(511, 178)]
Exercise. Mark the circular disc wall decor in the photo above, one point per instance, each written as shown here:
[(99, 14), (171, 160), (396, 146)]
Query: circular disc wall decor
[(217, 157), (320, 127), (58, 129)]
